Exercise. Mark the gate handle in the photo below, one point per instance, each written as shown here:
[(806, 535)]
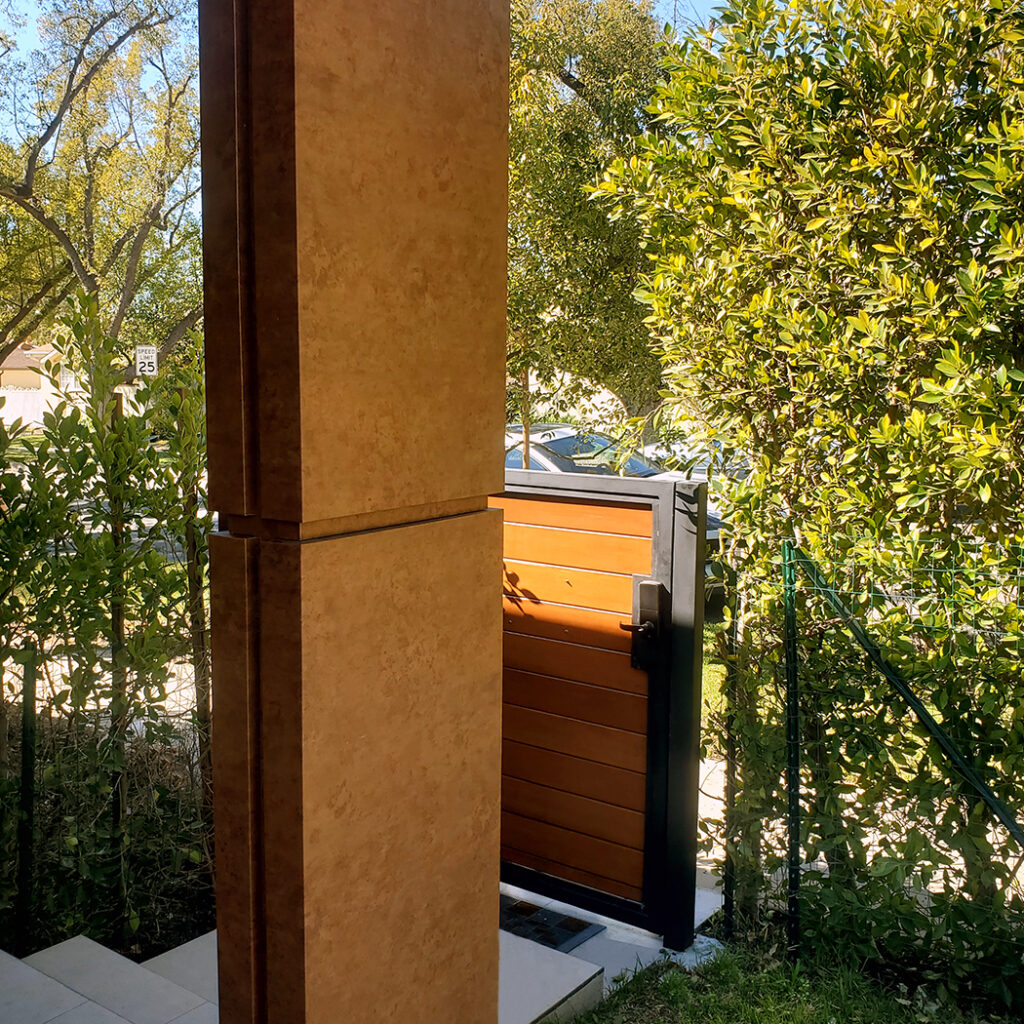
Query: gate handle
[(642, 629)]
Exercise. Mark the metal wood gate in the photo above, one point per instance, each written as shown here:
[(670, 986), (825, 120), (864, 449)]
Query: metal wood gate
[(603, 616)]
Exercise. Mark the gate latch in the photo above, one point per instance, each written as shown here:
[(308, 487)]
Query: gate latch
[(650, 605)]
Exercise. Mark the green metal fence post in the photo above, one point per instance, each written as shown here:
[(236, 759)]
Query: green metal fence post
[(26, 808), (729, 871), (792, 750)]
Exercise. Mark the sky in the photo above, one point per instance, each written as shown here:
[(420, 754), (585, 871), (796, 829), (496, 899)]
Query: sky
[(680, 11), (26, 36), (668, 11)]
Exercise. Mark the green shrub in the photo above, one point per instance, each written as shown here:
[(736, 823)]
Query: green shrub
[(832, 199), (105, 534)]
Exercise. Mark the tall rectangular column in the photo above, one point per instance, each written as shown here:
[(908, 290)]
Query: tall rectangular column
[(354, 176)]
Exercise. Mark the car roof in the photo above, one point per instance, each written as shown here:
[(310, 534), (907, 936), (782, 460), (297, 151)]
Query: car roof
[(542, 431)]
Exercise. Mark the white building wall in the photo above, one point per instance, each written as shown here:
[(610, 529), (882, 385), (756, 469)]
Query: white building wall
[(26, 404)]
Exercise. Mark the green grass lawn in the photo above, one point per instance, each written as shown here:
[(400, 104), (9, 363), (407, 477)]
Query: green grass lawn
[(714, 669), (22, 449), (748, 988)]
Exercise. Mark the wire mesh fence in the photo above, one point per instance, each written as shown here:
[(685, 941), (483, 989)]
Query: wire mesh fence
[(875, 752)]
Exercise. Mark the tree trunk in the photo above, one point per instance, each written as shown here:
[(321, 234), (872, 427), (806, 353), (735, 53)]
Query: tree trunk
[(828, 817), (729, 815), (524, 409), (744, 828), (5, 750)]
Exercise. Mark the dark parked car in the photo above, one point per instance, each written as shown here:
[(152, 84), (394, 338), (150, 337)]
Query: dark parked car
[(562, 448)]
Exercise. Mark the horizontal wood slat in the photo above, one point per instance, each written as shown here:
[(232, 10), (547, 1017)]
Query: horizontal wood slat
[(604, 552), (628, 520), (580, 588), (575, 625), (574, 775), (597, 856), (577, 813), (579, 739), (550, 867), (570, 661), (574, 745), (576, 700)]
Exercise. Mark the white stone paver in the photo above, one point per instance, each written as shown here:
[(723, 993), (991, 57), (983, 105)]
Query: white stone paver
[(89, 1013), (619, 959), (193, 966), (114, 982), (28, 997), (534, 980), (205, 1013)]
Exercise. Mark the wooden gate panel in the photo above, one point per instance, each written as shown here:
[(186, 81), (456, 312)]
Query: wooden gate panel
[(604, 552), (603, 782), (570, 691), (588, 811), (584, 740), (560, 622), (536, 583), (625, 519), (573, 849), (577, 662), (578, 813), (561, 697)]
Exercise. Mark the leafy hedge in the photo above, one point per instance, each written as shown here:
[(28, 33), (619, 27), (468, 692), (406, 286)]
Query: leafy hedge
[(103, 543), (832, 198)]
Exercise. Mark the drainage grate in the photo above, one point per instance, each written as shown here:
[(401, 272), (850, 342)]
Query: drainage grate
[(550, 928)]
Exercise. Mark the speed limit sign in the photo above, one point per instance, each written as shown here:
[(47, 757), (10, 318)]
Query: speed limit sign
[(145, 360)]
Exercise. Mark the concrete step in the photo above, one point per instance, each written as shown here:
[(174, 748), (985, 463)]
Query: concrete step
[(82, 982), (204, 1013), (28, 996), (88, 1013), (537, 984), (115, 983), (193, 966)]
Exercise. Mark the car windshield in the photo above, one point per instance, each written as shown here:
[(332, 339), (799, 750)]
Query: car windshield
[(514, 458), (599, 454)]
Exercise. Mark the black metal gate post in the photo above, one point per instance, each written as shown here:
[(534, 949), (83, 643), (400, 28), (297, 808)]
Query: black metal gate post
[(792, 749), (683, 760)]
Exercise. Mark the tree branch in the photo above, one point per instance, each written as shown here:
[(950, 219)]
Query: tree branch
[(55, 278), (85, 276), (566, 77), (132, 269), (36, 317), (153, 215), (73, 89)]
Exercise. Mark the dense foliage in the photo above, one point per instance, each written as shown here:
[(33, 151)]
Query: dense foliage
[(582, 72), (103, 541), (99, 169), (834, 207), (102, 517)]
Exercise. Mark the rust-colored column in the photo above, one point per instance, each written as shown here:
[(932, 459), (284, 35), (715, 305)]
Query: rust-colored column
[(354, 177)]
